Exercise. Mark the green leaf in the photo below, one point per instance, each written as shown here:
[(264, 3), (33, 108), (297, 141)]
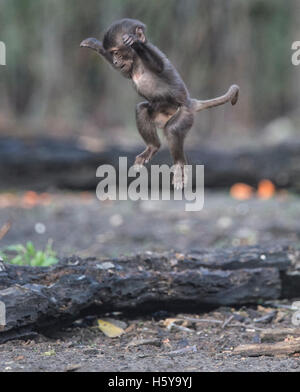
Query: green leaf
[(18, 260), (28, 255), (38, 259), (15, 248), (30, 248), (50, 261)]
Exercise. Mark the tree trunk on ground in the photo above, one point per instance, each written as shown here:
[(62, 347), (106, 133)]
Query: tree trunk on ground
[(43, 164), (37, 298)]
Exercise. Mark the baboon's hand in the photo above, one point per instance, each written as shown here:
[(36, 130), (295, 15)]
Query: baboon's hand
[(129, 39), (94, 44)]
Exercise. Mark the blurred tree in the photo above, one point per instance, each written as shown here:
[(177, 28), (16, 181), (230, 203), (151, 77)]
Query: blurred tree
[(50, 85)]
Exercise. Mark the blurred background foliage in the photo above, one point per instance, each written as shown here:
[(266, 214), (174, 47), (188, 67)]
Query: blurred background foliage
[(52, 87)]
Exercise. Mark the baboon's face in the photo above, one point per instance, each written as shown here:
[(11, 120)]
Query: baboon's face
[(122, 58)]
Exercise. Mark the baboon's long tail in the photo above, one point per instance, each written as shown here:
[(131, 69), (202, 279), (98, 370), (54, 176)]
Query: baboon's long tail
[(231, 95)]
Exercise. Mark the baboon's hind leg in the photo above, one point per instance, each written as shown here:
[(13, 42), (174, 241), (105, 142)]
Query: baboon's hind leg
[(175, 131), (147, 130)]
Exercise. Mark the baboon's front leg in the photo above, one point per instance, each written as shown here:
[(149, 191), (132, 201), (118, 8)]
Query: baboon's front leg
[(96, 46)]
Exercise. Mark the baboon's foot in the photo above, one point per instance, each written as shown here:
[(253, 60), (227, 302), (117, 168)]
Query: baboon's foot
[(144, 157), (180, 176), (139, 163)]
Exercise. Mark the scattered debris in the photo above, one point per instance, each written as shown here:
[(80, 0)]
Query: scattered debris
[(173, 262), (143, 342), (277, 334), (105, 266), (109, 329), (72, 368), (286, 347), (182, 351), (227, 321), (202, 320), (49, 353), (174, 323), (266, 318), (130, 328)]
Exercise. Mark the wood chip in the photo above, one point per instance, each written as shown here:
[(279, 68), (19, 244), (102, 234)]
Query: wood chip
[(143, 342), (182, 351), (280, 348), (277, 334), (72, 368), (227, 321)]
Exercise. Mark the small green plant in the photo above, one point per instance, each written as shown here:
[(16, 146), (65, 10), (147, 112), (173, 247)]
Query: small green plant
[(28, 255)]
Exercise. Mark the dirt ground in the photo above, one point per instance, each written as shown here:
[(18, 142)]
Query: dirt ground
[(80, 224), (150, 346)]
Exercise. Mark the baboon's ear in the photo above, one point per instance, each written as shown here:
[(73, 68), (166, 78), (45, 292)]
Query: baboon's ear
[(139, 31)]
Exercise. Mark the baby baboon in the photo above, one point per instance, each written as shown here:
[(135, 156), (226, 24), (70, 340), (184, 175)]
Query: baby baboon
[(168, 104)]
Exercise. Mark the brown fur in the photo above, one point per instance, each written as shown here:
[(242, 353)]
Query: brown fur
[(168, 104)]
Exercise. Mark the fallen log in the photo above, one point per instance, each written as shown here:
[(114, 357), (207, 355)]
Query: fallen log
[(46, 163), (280, 256), (280, 348), (37, 298)]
